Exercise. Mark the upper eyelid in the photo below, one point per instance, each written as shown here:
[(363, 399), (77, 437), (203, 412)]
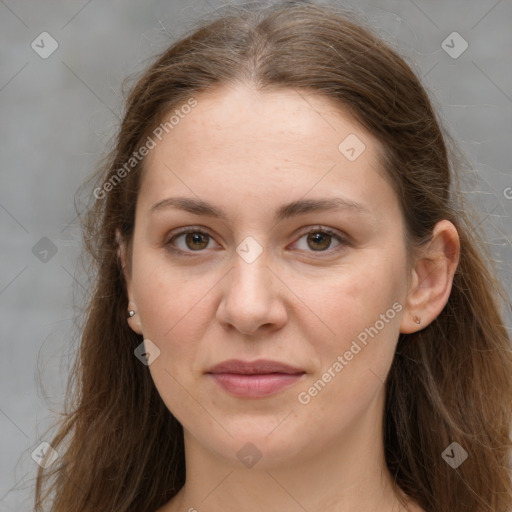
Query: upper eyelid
[(189, 229)]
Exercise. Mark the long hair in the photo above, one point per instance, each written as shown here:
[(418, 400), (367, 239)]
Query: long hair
[(120, 447)]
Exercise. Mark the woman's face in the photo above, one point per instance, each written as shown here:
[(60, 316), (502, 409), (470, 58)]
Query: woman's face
[(263, 276)]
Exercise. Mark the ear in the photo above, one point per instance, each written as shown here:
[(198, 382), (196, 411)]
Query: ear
[(124, 258), (432, 278)]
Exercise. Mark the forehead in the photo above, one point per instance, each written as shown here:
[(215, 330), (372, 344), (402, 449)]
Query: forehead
[(252, 142), (240, 115)]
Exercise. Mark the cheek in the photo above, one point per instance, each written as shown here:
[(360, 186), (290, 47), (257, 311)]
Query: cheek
[(365, 314), (171, 300), (355, 360), (362, 309), (172, 309), (353, 300)]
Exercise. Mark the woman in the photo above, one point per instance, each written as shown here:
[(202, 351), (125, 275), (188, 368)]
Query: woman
[(290, 310)]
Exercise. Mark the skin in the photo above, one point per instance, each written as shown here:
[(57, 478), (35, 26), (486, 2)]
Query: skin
[(299, 302)]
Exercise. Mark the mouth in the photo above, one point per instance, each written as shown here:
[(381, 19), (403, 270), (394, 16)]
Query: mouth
[(256, 379)]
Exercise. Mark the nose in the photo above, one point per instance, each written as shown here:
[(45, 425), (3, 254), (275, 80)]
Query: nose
[(253, 298)]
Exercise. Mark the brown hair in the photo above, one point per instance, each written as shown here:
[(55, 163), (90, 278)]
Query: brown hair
[(120, 447)]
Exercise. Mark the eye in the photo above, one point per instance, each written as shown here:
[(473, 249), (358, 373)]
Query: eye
[(320, 239), (193, 240)]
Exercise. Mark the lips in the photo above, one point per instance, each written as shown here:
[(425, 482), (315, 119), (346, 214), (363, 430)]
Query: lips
[(256, 379), (261, 367)]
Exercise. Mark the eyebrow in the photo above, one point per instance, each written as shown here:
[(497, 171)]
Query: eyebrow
[(299, 207)]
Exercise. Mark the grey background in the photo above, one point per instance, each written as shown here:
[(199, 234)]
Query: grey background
[(58, 114)]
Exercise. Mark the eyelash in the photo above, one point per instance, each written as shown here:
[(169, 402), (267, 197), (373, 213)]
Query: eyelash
[(343, 242)]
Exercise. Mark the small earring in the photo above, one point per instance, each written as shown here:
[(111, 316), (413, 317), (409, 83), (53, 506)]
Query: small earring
[(131, 313), (417, 319)]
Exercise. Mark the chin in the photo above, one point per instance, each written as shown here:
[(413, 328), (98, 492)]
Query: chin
[(262, 444)]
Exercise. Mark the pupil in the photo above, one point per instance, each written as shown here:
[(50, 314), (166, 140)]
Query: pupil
[(194, 238), (316, 236)]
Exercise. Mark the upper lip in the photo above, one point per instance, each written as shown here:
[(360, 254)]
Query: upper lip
[(262, 366)]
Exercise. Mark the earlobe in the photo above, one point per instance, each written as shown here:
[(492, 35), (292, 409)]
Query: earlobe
[(133, 320), (432, 278)]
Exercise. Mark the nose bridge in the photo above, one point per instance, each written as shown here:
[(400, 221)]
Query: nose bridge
[(250, 281), (251, 276), (251, 297), (250, 263)]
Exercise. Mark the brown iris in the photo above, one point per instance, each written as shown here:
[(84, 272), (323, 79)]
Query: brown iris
[(194, 238), (316, 238)]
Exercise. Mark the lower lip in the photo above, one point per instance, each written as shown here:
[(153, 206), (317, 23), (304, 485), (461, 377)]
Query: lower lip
[(255, 386)]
